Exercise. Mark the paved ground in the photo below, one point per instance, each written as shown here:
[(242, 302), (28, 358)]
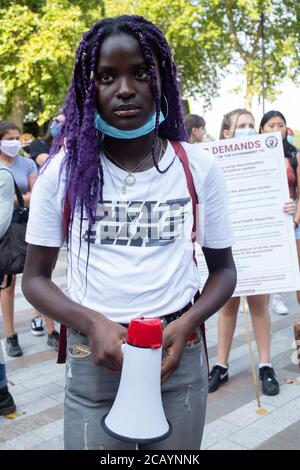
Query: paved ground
[(37, 384)]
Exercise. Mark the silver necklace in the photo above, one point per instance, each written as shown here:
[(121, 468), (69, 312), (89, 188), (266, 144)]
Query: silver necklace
[(130, 179), (132, 229)]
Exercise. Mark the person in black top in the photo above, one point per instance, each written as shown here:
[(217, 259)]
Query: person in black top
[(39, 149)]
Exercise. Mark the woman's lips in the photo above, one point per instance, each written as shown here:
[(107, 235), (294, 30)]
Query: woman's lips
[(127, 112)]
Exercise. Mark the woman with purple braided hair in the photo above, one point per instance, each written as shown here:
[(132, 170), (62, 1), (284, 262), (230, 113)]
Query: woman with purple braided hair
[(125, 185)]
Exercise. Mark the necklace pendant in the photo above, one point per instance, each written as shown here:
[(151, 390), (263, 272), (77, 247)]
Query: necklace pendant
[(132, 230), (129, 180)]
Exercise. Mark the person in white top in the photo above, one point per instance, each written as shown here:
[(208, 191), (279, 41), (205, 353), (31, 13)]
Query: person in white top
[(122, 192), (240, 123)]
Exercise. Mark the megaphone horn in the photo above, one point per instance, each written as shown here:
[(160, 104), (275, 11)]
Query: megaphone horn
[(137, 414)]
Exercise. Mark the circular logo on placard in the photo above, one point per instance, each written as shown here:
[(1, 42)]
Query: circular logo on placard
[(271, 141)]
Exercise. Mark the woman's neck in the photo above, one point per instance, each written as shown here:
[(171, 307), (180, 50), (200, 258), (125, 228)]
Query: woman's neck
[(130, 152), (7, 161)]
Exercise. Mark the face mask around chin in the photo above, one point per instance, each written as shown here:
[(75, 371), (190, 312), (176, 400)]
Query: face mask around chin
[(11, 148), (247, 132), (290, 139)]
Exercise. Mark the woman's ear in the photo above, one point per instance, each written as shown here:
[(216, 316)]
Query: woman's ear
[(227, 134)]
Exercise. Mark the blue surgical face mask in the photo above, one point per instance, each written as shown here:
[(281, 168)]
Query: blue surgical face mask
[(107, 129), (54, 128), (290, 139), (245, 132)]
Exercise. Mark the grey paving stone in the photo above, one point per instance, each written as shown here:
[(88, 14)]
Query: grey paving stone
[(247, 414), (44, 380), (26, 441), (33, 395), (255, 434), (57, 443), (226, 445), (50, 431), (59, 397), (288, 439), (217, 431)]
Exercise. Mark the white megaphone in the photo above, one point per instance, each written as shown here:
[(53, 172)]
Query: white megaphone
[(137, 414)]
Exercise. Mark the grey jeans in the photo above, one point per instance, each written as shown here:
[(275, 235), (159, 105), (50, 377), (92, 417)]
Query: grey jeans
[(91, 390)]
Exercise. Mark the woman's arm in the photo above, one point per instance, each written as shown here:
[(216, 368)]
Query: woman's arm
[(297, 213), (41, 158), (105, 336), (26, 197), (217, 290)]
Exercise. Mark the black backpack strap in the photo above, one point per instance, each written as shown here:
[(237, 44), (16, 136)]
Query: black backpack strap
[(19, 195)]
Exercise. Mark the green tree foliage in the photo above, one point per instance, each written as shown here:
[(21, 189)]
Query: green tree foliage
[(208, 35), (194, 34), (248, 25), (38, 40)]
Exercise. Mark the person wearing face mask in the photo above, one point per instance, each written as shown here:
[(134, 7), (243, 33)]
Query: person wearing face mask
[(290, 135), (274, 121), (25, 173), (123, 133), (236, 124), (26, 139), (39, 149)]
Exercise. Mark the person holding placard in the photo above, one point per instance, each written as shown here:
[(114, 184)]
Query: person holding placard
[(240, 123), (274, 121)]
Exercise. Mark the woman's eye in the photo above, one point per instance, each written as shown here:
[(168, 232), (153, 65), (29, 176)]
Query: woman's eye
[(142, 74), (105, 77)]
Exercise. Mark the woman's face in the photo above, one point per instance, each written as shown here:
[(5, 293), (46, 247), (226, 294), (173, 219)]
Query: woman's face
[(275, 124), (11, 134), (124, 95), (243, 121), (198, 134)]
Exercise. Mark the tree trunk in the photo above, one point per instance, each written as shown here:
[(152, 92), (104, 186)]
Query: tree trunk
[(17, 110), (249, 92)]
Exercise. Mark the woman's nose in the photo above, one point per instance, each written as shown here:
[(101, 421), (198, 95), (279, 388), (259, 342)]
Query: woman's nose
[(125, 89)]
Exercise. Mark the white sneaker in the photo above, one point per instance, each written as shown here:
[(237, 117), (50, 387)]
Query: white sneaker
[(37, 327), (278, 305)]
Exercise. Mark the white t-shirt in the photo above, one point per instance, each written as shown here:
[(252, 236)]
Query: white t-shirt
[(148, 274)]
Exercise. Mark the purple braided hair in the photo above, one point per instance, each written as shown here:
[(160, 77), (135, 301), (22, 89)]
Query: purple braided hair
[(82, 141)]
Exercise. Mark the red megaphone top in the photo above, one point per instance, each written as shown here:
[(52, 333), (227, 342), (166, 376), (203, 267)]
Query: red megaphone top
[(145, 333)]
